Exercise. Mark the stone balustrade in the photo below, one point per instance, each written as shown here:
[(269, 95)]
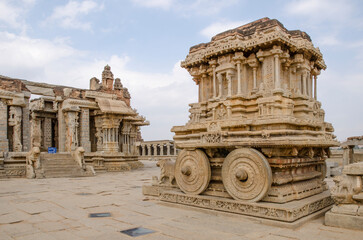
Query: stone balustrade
[(148, 150)]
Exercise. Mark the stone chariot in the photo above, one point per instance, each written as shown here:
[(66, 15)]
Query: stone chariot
[(256, 141), (258, 132)]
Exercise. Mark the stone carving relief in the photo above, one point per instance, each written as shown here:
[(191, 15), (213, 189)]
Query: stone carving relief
[(212, 138), (71, 119), (221, 112), (15, 116), (194, 116), (346, 186)]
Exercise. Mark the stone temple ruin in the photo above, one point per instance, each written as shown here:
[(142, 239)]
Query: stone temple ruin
[(256, 141), (95, 127)]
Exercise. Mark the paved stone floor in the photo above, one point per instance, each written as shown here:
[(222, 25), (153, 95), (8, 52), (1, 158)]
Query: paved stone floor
[(59, 208)]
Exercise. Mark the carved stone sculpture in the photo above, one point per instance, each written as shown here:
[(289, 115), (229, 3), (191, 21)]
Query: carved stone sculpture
[(345, 188), (32, 162), (348, 197), (15, 116), (167, 172), (78, 156)]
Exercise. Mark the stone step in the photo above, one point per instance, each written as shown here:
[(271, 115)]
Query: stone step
[(49, 172), (61, 175), (60, 164), (62, 171), (68, 169), (57, 159)]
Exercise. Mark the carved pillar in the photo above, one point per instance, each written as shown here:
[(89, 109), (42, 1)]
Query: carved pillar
[(84, 130), (214, 81), (220, 82), (149, 150), (245, 79), (71, 119), (174, 149), (161, 149), (4, 143), (348, 155), (99, 133), (229, 81), (35, 129), (310, 85), (304, 83), (126, 138), (168, 149), (254, 69), (26, 126), (111, 135), (61, 130), (15, 117), (239, 78), (277, 71), (315, 85)]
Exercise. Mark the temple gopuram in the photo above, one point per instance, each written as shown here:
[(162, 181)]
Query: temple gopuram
[(95, 127), (256, 141)]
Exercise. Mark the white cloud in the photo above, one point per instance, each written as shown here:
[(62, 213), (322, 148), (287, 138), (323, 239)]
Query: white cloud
[(333, 10), (12, 13), (69, 15), (340, 94), (186, 8), (164, 4), (162, 97), (219, 27), (328, 40)]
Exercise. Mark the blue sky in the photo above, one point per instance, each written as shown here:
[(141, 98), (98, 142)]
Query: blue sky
[(68, 42)]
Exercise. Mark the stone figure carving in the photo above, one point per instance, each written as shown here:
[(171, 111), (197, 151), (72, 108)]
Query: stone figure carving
[(32, 162), (95, 84), (72, 130), (107, 78), (345, 187), (126, 93), (117, 85), (167, 171), (78, 156), (15, 116)]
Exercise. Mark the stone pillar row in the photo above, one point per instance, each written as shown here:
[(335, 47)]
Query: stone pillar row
[(149, 147)]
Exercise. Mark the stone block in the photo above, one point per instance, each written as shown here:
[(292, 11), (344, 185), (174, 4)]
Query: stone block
[(344, 221)]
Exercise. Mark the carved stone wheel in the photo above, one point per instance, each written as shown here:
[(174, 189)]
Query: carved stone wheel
[(192, 171), (246, 175)]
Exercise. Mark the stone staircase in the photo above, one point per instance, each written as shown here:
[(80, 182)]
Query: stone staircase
[(60, 165)]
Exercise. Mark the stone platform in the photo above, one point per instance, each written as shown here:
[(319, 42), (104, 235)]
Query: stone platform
[(344, 220), (286, 213)]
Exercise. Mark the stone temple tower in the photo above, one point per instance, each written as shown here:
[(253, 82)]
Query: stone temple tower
[(107, 78)]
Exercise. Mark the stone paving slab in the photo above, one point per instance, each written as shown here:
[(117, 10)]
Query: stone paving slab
[(59, 209)]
